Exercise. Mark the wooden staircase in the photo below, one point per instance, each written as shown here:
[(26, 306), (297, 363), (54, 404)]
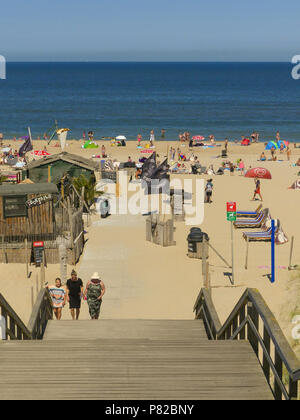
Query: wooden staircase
[(130, 359)]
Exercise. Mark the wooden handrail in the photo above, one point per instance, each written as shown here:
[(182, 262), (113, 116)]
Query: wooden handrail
[(41, 313), (15, 328), (243, 323)]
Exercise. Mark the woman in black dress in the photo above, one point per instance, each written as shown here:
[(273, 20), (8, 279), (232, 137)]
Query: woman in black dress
[(74, 294)]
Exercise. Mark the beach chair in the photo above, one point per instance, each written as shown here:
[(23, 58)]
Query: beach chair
[(261, 219), (251, 214), (261, 236)]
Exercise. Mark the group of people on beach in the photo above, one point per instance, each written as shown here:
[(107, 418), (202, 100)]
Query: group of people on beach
[(74, 293)]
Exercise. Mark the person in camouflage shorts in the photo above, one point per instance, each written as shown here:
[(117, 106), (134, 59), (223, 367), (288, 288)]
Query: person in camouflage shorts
[(94, 292)]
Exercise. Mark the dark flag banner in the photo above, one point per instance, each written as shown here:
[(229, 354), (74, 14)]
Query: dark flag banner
[(26, 147), (161, 172), (149, 168)]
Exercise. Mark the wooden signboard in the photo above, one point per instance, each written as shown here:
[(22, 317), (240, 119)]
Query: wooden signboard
[(38, 201)]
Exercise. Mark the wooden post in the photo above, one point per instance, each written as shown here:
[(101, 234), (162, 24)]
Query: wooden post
[(49, 173), (26, 255), (247, 250), (62, 188), (291, 252), (207, 276), (70, 220), (3, 250), (42, 272), (117, 185), (63, 260), (204, 265)]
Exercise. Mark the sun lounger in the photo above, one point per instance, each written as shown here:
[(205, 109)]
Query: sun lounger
[(262, 217), (249, 213), (261, 236)]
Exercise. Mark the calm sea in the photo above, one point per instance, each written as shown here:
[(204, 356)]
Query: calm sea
[(224, 99)]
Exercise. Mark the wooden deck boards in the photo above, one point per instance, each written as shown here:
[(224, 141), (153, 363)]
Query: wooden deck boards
[(130, 360)]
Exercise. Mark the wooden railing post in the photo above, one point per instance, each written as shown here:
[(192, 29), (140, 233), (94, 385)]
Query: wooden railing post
[(266, 365), (278, 366), (251, 334), (293, 389), (241, 319)]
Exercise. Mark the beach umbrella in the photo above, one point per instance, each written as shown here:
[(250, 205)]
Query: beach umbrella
[(284, 142), (261, 173), (245, 142), (6, 149), (121, 138), (271, 144), (41, 153), (198, 138)]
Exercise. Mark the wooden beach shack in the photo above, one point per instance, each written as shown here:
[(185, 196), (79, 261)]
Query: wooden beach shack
[(28, 213), (54, 168)]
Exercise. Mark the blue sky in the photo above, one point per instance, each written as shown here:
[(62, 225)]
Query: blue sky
[(149, 30)]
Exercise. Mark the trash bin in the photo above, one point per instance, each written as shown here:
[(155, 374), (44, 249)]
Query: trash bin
[(195, 243), (104, 208)]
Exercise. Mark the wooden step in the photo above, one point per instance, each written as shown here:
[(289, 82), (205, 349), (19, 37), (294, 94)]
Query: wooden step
[(130, 368), (132, 329)]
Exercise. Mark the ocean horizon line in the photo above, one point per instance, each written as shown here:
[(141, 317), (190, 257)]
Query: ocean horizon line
[(143, 62)]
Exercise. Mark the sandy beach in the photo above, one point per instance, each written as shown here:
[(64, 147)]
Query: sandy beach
[(146, 281)]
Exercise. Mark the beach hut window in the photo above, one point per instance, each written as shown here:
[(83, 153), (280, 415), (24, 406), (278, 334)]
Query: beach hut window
[(15, 206)]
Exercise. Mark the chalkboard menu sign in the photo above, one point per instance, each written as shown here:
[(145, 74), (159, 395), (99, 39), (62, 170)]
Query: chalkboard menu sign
[(38, 249)]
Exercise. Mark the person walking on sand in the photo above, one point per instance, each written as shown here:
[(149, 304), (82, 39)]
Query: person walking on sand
[(288, 152), (208, 191), (58, 296), (94, 292), (139, 140), (242, 167), (226, 145), (74, 294), (152, 138), (257, 190)]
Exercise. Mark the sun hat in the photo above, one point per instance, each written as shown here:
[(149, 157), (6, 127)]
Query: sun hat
[(95, 276)]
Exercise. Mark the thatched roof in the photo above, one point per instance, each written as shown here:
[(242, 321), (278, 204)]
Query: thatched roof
[(23, 189), (66, 157)]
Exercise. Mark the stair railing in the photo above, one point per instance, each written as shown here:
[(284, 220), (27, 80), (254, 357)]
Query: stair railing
[(252, 320), (42, 312), (13, 328)]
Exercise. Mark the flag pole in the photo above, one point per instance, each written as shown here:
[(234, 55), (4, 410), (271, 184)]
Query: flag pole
[(273, 251), (29, 132)]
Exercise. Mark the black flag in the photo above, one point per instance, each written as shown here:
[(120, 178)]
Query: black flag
[(26, 147), (148, 168), (161, 172)]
